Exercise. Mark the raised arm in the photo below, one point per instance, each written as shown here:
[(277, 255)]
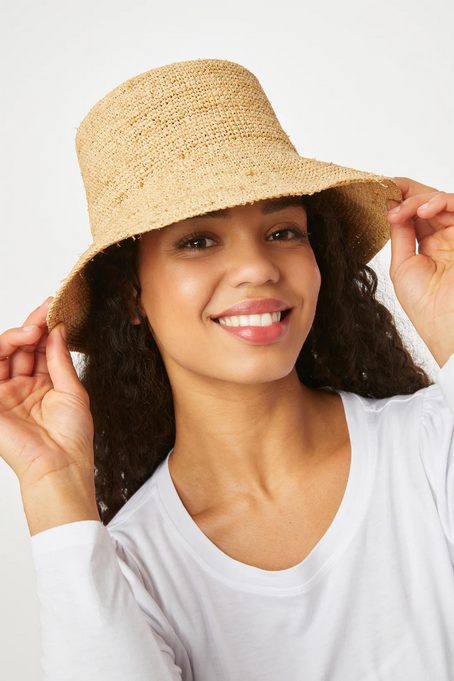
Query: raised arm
[(92, 627), (46, 429)]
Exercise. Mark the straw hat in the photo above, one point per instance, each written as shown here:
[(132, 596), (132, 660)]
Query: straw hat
[(189, 138)]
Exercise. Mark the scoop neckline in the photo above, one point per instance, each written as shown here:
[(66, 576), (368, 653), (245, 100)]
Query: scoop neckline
[(326, 552)]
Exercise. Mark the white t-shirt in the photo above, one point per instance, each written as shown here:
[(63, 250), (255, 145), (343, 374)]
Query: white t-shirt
[(151, 598)]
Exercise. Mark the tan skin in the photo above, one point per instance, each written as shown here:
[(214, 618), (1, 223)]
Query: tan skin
[(252, 442), (260, 461)]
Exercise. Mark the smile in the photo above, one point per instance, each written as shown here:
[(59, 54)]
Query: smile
[(257, 329), (251, 320)]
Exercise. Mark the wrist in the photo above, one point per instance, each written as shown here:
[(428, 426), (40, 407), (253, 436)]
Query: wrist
[(441, 350), (59, 500)]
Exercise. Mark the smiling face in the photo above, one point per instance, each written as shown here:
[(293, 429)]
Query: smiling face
[(192, 274)]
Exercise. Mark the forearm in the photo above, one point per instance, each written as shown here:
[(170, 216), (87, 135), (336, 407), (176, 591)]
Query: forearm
[(66, 498), (92, 628)]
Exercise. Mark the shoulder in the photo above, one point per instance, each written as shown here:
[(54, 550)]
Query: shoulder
[(143, 504), (436, 398), (400, 419), (420, 422), (415, 403)]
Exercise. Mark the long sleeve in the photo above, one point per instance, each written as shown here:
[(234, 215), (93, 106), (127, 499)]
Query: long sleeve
[(437, 447), (445, 380), (92, 627)]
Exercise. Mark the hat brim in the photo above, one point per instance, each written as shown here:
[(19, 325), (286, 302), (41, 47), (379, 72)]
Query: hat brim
[(358, 197)]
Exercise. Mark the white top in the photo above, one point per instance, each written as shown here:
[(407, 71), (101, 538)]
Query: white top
[(151, 598)]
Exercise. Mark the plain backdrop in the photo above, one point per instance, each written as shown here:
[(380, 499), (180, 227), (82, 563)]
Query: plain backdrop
[(363, 84)]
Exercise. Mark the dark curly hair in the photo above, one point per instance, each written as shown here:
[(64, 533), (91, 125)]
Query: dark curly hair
[(353, 345)]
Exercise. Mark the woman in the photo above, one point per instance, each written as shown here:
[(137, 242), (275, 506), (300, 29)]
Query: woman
[(273, 469)]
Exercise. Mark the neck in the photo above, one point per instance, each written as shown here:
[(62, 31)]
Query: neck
[(233, 437)]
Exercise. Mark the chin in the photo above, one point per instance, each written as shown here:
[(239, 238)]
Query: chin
[(253, 373)]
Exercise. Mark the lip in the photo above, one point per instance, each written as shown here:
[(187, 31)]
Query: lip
[(256, 306), (259, 335)]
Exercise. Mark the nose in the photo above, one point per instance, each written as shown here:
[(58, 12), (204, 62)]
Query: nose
[(251, 263)]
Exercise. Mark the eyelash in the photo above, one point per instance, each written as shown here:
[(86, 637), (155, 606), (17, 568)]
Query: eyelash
[(192, 236)]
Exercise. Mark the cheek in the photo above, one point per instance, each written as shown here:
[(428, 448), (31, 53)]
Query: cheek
[(308, 278), (316, 278), (174, 294), (188, 286)]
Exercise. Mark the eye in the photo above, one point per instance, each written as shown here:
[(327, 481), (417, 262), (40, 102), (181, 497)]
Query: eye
[(196, 242), (288, 234)]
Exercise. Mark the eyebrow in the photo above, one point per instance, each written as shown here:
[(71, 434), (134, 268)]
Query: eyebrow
[(270, 207)]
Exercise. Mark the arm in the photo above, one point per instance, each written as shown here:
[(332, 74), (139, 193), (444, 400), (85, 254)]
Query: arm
[(437, 447), (445, 380), (65, 498), (92, 628)]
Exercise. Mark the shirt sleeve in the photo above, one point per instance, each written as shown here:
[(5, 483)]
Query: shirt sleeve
[(437, 446), (92, 627)]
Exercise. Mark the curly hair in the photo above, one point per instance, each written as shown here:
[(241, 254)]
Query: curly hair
[(353, 346)]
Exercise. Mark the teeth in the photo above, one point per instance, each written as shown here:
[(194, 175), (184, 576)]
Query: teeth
[(251, 320)]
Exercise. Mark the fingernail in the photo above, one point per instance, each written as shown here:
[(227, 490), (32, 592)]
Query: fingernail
[(394, 210), (424, 206), (47, 300), (63, 331), (27, 329)]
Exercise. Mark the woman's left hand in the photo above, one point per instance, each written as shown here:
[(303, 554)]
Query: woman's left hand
[(424, 280)]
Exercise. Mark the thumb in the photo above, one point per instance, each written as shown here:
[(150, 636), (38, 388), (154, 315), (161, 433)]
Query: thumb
[(60, 365)]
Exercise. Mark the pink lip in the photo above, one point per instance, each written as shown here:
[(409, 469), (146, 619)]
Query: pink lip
[(257, 306), (259, 335)]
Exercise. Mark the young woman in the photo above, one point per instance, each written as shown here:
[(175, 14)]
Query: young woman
[(250, 478)]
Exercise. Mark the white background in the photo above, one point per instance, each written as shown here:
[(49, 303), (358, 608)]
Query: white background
[(363, 84)]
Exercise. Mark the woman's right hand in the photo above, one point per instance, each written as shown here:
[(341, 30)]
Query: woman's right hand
[(46, 428)]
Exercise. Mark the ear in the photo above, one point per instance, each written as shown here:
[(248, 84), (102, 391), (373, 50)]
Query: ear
[(132, 319), (128, 293)]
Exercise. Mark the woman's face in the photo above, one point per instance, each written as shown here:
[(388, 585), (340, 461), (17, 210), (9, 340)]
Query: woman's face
[(254, 256)]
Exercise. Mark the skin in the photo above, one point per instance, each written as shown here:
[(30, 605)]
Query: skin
[(252, 441), (269, 455), (422, 264)]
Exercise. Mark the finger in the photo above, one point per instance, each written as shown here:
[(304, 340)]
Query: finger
[(409, 207), (403, 246), (40, 366), (61, 369), (22, 361), (441, 221), (439, 210), (410, 187), (391, 203), (10, 341)]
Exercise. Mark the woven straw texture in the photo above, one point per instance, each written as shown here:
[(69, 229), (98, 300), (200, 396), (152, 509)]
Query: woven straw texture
[(192, 137)]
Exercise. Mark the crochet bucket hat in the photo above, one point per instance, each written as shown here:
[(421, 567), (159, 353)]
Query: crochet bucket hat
[(189, 138)]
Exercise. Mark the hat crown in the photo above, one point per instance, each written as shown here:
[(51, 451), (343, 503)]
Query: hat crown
[(175, 119)]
